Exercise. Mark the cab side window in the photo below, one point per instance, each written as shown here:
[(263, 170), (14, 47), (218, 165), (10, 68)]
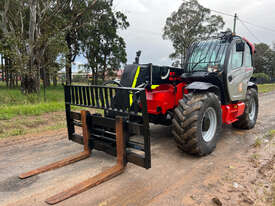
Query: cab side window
[(236, 58), (248, 57)]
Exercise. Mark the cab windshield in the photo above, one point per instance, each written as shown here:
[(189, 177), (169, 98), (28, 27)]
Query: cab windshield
[(205, 54)]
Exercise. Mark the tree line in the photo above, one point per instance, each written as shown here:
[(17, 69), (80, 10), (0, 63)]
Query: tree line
[(40, 37), (264, 61)]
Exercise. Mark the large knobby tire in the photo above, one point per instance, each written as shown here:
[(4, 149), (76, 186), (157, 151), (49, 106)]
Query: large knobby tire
[(249, 118), (197, 123)]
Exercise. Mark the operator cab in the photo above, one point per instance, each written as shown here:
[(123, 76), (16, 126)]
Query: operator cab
[(225, 61), (239, 68)]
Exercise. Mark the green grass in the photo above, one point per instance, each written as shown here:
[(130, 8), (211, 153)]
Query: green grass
[(8, 112), (17, 132), (270, 134), (14, 103), (15, 96), (264, 88), (258, 142), (21, 125)]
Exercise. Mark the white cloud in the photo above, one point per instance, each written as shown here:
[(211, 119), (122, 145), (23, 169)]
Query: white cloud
[(146, 28), (147, 19), (259, 12), (132, 5)]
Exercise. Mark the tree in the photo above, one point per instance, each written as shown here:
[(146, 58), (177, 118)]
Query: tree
[(273, 62), (29, 28), (101, 44), (264, 59), (7, 40), (76, 14), (35, 33), (190, 23)]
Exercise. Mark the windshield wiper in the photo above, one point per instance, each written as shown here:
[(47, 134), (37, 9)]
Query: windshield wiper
[(201, 70), (200, 61)]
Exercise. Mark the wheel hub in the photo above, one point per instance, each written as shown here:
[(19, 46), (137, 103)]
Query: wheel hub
[(209, 124), (252, 109)]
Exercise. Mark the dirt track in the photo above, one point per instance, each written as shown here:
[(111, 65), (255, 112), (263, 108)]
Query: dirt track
[(175, 178)]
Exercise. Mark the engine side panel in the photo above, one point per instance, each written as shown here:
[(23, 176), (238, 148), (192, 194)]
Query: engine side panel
[(165, 97)]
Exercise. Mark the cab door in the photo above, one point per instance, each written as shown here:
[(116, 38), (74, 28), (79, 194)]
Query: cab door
[(237, 74)]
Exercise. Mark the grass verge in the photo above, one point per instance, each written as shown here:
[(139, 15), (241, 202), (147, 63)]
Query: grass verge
[(8, 112), (14, 104), (264, 88), (22, 125)]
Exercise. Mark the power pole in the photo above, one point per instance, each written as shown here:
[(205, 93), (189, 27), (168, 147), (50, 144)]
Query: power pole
[(235, 22)]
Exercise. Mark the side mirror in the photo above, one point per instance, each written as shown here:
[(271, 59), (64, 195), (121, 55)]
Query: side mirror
[(240, 47)]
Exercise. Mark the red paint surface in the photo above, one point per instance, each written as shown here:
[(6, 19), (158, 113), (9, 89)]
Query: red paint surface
[(165, 96), (231, 112), (251, 45)]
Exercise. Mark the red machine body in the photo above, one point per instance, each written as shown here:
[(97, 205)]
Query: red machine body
[(231, 112), (164, 98), (167, 96)]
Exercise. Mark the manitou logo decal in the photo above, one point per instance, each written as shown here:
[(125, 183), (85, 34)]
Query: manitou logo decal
[(241, 87)]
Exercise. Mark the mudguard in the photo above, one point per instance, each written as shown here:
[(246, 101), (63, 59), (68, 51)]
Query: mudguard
[(252, 85), (203, 86)]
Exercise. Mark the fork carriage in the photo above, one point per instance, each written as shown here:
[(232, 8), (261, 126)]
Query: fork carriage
[(102, 129), (123, 131)]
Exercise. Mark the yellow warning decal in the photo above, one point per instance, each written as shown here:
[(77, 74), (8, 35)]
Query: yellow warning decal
[(134, 85), (154, 86)]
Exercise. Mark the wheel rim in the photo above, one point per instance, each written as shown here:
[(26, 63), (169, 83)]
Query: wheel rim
[(209, 124), (252, 109)]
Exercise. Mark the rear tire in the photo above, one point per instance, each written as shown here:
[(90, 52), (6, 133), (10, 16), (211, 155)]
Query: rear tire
[(249, 118), (197, 123)]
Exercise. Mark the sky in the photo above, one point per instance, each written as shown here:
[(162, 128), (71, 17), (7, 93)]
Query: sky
[(147, 19)]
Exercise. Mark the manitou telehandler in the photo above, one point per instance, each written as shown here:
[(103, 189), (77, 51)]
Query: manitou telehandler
[(212, 89)]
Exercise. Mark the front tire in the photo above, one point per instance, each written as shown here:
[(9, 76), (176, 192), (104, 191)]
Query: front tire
[(197, 123), (249, 118)]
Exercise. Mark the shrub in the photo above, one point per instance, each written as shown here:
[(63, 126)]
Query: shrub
[(261, 78)]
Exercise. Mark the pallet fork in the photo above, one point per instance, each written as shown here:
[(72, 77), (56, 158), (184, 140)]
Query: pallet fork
[(93, 181), (111, 135)]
